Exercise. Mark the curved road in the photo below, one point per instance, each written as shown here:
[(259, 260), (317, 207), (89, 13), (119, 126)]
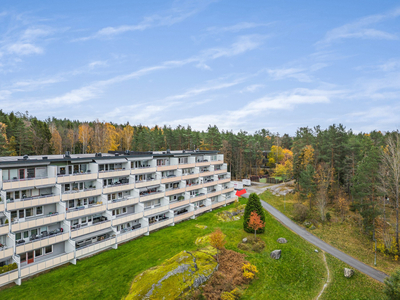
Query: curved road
[(356, 264)]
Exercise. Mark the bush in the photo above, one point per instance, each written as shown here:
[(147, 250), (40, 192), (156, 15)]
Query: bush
[(258, 247), (254, 204), (392, 286), (328, 217), (300, 212)]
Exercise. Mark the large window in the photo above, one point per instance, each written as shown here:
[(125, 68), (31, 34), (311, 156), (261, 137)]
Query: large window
[(38, 252), (48, 249), (31, 172), (39, 210)]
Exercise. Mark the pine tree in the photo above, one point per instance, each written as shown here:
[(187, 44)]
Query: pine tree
[(253, 204)]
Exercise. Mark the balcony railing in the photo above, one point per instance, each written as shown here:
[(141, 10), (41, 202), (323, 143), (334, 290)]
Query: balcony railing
[(24, 179), (30, 198), (39, 238), (27, 219), (105, 171), (95, 243), (79, 191)]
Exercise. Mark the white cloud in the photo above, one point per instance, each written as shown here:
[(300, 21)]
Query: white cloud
[(279, 74), (235, 28), (361, 29), (24, 49), (252, 88)]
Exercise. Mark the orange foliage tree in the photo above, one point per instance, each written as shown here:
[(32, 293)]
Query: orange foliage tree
[(217, 240), (255, 222)]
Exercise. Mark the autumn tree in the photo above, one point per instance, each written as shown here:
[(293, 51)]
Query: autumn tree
[(253, 205), (85, 136), (255, 222), (127, 136), (56, 140), (323, 177), (217, 240)]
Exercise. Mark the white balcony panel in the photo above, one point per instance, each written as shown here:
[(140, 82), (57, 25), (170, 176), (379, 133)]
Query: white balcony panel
[(97, 247), (228, 190), (167, 168), (218, 204), (28, 183), (90, 229), (37, 222), (86, 211), (174, 192), (118, 188), (155, 210), (131, 234), (6, 253), (78, 195), (217, 162), (216, 172), (194, 187), (202, 209), (223, 181), (139, 185), (183, 216), (204, 174), (160, 224), (171, 179), (179, 203), (76, 177), (211, 183), (8, 277), (116, 173), (121, 203), (4, 229), (2, 207), (127, 218), (190, 176), (47, 264), (186, 166), (202, 164), (198, 198), (33, 202), (151, 196), (42, 243), (143, 170), (213, 194)]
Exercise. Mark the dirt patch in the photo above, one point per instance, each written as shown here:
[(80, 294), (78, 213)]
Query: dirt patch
[(252, 244)]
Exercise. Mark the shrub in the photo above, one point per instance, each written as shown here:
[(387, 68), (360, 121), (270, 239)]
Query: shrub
[(244, 246), (249, 271), (254, 204), (258, 247), (328, 217), (227, 296), (392, 286), (300, 212)]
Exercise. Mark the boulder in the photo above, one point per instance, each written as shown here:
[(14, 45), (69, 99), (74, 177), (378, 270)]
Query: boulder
[(307, 224), (282, 241), (316, 251), (276, 254), (244, 240), (312, 227), (348, 272)]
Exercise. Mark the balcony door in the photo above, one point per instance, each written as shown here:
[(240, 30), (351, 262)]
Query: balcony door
[(31, 258), (21, 173)]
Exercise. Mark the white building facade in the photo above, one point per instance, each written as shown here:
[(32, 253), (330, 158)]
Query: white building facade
[(56, 209)]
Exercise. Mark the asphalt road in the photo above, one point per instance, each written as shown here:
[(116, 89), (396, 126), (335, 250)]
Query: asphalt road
[(356, 264)]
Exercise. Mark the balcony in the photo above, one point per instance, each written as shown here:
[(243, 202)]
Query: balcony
[(225, 180), (210, 183), (114, 173), (76, 177), (161, 223), (170, 192), (218, 204), (37, 221), (4, 229), (213, 194), (198, 197), (178, 203), (120, 187), (206, 173), (151, 210), (190, 176), (186, 165), (6, 252), (125, 218), (202, 209), (227, 190), (151, 196), (184, 216), (32, 201), (171, 178), (221, 171), (167, 167), (40, 266), (122, 202), (217, 162), (77, 194), (193, 186), (145, 183), (28, 182), (77, 212), (42, 242), (202, 163), (8, 277), (89, 229), (95, 247), (143, 170), (128, 235)]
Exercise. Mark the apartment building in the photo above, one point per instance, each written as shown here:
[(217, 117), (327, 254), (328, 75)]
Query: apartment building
[(56, 209)]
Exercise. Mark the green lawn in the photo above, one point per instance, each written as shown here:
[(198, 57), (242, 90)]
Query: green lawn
[(299, 274)]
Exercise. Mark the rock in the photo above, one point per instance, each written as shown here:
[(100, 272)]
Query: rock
[(276, 254), (307, 224), (348, 273), (244, 240), (312, 227), (282, 241), (316, 250), (175, 276)]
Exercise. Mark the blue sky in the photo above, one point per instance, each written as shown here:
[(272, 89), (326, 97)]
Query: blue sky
[(244, 65)]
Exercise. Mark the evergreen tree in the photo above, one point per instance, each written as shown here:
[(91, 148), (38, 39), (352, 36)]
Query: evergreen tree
[(392, 286), (253, 204)]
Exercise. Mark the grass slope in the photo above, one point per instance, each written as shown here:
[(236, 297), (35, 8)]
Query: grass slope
[(299, 274)]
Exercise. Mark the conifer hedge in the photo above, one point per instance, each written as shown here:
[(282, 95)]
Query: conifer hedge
[(254, 204)]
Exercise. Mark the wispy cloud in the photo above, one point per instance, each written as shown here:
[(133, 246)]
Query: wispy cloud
[(279, 74), (252, 88), (236, 28), (178, 13), (361, 29)]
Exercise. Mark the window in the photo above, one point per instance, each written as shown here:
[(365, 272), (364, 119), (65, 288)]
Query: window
[(67, 187), (13, 214), (39, 210), (34, 232), (83, 220), (48, 249), (21, 214), (18, 235), (75, 222), (23, 257), (21, 173), (124, 210), (113, 212), (62, 170), (31, 172), (71, 203), (119, 195), (9, 196), (26, 234), (38, 252), (101, 168)]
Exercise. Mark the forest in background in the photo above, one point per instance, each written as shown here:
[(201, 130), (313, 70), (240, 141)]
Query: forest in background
[(332, 167)]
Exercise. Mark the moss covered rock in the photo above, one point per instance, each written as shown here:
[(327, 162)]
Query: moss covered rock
[(175, 277), (200, 226), (232, 214)]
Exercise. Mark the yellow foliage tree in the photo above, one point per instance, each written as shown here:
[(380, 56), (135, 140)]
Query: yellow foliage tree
[(85, 136), (127, 136)]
